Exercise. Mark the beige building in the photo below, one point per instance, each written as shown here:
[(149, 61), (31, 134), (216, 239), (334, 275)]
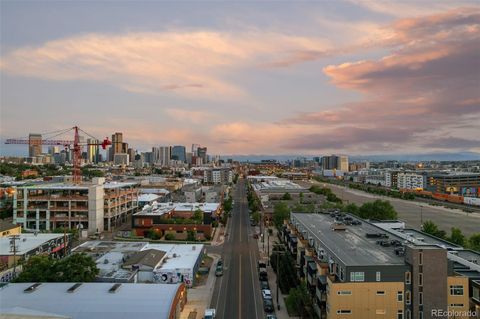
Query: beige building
[(94, 207)]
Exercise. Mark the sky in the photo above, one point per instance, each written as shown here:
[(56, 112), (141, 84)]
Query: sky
[(245, 77)]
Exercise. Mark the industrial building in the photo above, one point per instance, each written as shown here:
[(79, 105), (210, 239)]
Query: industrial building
[(463, 184), (141, 262), (92, 207), (357, 269), (92, 300)]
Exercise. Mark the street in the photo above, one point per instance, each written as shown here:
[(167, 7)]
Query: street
[(237, 293)]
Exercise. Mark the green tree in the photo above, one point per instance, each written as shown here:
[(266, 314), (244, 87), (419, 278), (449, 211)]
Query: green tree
[(198, 216), (429, 227), (76, 268), (280, 213), (191, 235), (352, 209), (300, 198), (474, 242), (381, 210), (170, 236), (287, 196), (256, 217), (38, 268), (299, 301), (457, 237)]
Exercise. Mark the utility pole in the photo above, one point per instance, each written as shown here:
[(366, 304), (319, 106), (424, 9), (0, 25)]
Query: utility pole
[(13, 249), (278, 269)]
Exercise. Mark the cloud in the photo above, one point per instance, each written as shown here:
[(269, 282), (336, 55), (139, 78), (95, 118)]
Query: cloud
[(196, 117), (185, 63), (429, 80)]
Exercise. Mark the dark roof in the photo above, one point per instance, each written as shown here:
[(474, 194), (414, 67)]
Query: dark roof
[(4, 225), (148, 257)]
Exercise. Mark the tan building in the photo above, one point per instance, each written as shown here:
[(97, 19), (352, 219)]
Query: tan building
[(94, 207), (8, 229), (362, 271)]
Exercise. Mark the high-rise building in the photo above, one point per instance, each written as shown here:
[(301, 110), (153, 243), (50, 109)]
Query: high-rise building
[(202, 153), (117, 145), (335, 162), (53, 150), (131, 155), (165, 154), (92, 150), (34, 144), (195, 149), (179, 153), (189, 157)]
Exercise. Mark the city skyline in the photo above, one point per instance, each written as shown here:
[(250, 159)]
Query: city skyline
[(351, 77)]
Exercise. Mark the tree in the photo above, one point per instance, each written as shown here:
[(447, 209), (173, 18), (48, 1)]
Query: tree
[(299, 302), (430, 228), (300, 198), (280, 213), (474, 242), (457, 237), (38, 268), (191, 235), (76, 268), (198, 216), (352, 209), (287, 196), (381, 210), (256, 217)]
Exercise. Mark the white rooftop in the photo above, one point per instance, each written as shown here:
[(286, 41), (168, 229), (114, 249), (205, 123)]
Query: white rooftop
[(147, 197), (26, 243), (179, 256), (90, 300), (163, 208)]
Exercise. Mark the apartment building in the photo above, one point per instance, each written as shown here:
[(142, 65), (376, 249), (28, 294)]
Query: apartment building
[(217, 176), (410, 181), (354, 269), (95, 207), (459, 183)]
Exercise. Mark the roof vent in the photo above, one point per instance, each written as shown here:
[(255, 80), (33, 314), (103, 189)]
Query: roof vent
[(114, 288), (74, 288), (32, 288)]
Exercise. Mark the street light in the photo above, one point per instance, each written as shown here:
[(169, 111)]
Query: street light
[(278, 269)]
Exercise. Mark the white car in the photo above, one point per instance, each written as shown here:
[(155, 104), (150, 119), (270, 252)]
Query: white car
[(266, 294), (209, 314)]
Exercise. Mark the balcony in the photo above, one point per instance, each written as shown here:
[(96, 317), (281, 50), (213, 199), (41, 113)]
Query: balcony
[(58, 198)]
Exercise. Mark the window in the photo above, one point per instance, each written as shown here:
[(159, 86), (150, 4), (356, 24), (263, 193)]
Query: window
[(344, 292), (408, 277), (399, 296), (400, 314), (407, 297), (420, 298), (476, 294), (456, 290), (420, 258), (357, 276), (380, 292), (456, 305), (408, 315), (344, 312), (378, 276), (420, 279), (420, 315)]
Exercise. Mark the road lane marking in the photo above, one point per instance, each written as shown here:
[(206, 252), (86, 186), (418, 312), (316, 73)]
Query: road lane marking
[(240, 288), (253, 285)]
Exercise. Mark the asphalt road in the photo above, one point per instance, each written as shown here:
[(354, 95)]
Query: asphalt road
[(237, 293), (412, 213)]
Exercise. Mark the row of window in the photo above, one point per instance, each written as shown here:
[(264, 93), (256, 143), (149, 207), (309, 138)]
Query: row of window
[(379, 293), (378, 312), (360, 276)]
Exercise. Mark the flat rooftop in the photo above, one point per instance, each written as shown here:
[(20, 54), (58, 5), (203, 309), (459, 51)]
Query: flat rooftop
[(278, 185), (351, 246), (67, 186), (158, 209), (89, 300), (26, 243)]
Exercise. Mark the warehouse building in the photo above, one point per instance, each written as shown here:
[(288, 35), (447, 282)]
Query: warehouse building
[(92, 300)]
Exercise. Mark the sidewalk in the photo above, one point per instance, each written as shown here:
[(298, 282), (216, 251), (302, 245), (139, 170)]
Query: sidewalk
[(199, 298), (272, 278)]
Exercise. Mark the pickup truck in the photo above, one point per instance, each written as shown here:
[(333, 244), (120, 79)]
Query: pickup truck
[(209, 314)]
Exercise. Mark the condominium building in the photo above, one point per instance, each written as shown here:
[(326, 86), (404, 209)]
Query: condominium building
[(217, 176), (410, 181), (92, 150), (179, 153), (354, 269), (335, 162), (94, 207), (34, 144)]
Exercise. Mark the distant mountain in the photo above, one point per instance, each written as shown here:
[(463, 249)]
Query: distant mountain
[(461, 156)]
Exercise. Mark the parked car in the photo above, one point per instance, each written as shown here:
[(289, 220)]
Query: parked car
[(266, 294), (264, 284), (271, 317), (268, 305), (219, 271), (209, 314), (263, 276), (220, 263)]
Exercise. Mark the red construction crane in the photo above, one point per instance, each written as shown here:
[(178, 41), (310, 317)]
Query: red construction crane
[(74, 145)]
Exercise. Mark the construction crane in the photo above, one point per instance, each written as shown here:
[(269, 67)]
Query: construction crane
[(74, 145)]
